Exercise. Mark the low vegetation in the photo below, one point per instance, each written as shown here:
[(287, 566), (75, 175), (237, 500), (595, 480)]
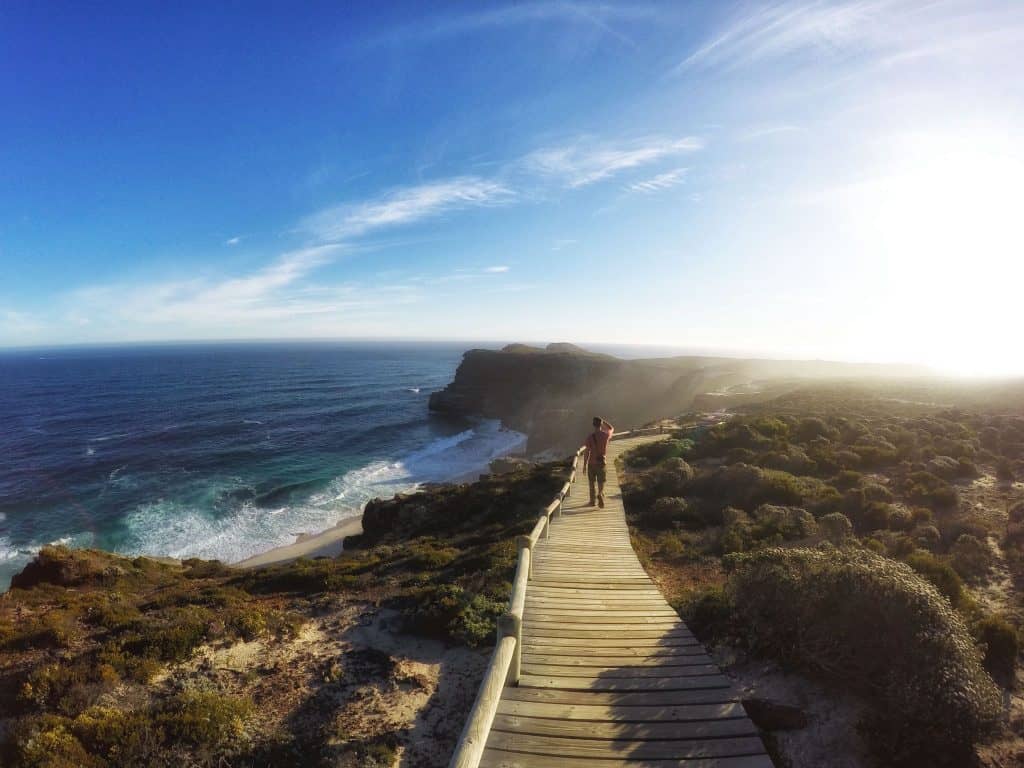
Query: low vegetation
[(88, 639), (869, 540)]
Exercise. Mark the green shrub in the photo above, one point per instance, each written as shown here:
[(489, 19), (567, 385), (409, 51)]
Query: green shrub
[(785, 522), (939, 573), (954, 529), (669, 546), (876, 492), (736, 532), (649, 454), (900, 519), (876, 455), (925, 488), (451, 612), (927, 537), (847, 479), (1016, 513), (670, 478), (847, 460), (1004, 471), (871, 622), (824, 500), (664, 512), (47, 742), (740, 456), (967, 468), (708, 614), (874, 516), (208, 720), (811, 427), (971, 557), (64, 688), (305, 577), (874, 545), (172, 639), (430, 555), (1002, 647), (776, 487), (54, 629), (123, 738), (769, 426), (897, 545), (836, 527), (921, 515), (476, 623)]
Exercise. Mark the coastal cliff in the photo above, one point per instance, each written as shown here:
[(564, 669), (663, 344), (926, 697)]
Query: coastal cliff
[(551, 393)]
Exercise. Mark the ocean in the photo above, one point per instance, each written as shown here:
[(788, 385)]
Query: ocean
[(219, 450)]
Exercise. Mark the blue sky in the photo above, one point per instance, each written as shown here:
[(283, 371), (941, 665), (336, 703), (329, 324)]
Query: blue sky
[(838, 180)]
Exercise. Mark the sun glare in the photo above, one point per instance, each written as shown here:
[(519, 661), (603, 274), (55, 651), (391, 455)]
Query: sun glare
[(942, 230)]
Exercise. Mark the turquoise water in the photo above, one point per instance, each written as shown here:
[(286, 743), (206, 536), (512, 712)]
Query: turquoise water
[(219, 451)]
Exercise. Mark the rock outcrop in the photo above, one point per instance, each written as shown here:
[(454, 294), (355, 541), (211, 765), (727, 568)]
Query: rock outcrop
[(552, 393)]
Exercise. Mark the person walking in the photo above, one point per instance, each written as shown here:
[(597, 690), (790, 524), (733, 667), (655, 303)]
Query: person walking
[(595, 451)]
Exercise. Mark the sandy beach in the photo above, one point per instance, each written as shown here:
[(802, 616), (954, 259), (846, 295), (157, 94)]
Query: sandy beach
[(324, 544)]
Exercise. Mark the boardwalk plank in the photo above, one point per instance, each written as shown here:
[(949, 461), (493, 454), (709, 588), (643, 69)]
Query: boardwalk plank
[(497, 758), (611, 677)]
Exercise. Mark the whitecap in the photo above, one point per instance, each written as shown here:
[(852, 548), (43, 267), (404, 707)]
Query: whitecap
[(105, 438), (167, 527)]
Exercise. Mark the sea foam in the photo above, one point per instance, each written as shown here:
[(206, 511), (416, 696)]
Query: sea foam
[(171, 528)]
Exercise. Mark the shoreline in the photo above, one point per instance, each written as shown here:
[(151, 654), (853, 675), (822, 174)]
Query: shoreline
[(327, 543), (330, 542)]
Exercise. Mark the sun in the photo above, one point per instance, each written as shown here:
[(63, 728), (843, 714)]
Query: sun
[(942, 229)]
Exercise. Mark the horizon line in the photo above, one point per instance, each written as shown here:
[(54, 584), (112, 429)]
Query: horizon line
[(924, 369)]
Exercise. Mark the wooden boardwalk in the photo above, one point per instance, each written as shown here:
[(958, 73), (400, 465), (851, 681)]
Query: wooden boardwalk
[(610, 676)]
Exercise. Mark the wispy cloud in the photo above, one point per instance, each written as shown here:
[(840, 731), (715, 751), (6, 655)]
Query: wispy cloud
[(777, 29), (660, 182), (763, 131), (585, 162), (603, 18), (260, 295), (497, 269), (889, 30), (404, 205), (233, 240)]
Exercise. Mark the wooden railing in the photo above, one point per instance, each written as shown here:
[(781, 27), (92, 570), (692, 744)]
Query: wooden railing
[(506, 661)]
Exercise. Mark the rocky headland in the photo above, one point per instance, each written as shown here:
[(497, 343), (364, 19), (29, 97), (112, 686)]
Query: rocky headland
[(551, 393)]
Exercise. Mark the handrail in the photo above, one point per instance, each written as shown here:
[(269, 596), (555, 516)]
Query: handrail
[(506, 661)]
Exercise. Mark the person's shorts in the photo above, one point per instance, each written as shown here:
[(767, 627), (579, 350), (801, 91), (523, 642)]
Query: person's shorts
[(596, 473)]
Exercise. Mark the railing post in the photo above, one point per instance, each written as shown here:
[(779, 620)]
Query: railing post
[(510, 625), (523, 542)]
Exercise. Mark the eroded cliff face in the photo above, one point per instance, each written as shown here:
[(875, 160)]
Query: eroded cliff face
[(551, 394)]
